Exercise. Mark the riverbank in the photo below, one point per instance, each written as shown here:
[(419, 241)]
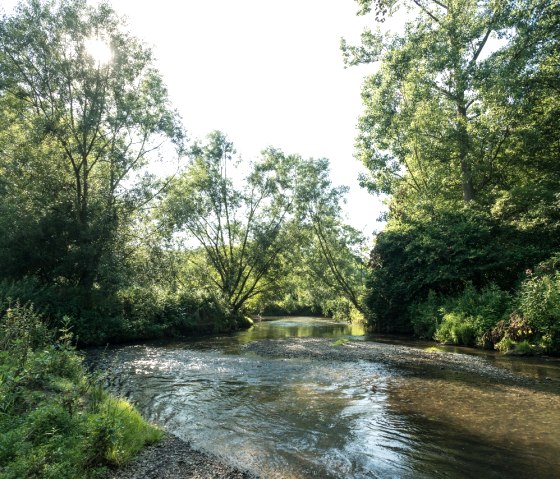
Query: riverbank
[(173, 458)]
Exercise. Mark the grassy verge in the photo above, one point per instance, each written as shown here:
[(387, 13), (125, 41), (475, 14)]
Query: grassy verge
[(56, 421)]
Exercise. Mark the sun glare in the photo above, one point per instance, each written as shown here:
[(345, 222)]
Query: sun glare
[(99, 50)]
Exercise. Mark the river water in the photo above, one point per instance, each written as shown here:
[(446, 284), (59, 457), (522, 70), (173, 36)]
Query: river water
[(299, 418)]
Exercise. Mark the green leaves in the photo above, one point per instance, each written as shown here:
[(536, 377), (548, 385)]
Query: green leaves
[(422, 125), (262, 230), (460, 126), (238, 220), (81, 131)]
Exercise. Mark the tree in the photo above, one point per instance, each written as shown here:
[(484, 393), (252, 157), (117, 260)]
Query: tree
[(79, 132), (243, 226), (266, 235), (426, 130), (461, 128), (332, 252)]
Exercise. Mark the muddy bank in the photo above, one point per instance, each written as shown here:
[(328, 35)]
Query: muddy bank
[(173, 458)]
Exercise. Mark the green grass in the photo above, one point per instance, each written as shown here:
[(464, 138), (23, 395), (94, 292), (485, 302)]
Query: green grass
[(56, 421), (434, 349), (340, 342)]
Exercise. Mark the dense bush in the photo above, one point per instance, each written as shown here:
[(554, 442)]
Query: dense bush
[(425, 316), (55, 420), (522, 322), (128, 314), (463, 318), (539, 303), (441, 252), (457, 328)]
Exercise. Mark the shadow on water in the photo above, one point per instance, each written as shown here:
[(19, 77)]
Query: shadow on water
[(493, 430), (439, 449)]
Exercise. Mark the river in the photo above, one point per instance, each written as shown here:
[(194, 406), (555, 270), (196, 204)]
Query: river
[(303, 418)]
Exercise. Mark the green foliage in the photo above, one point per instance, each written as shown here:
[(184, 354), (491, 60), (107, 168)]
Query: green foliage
[(21, 329), (133, 313), (465, 318), (518, 348), (539, 303), (484, 308), (462, 132), (139, 313), (55, 420), (241, 230), (75, 138), (457, 329), (440, 252), (492, 317), (425, 316), (119, 431), (505, 345), (276, 237), (524, 348)]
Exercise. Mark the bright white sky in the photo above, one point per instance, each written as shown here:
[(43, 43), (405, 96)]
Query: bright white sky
[(267, 73)]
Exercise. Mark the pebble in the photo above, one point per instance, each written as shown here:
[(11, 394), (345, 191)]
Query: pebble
[(173, 458)]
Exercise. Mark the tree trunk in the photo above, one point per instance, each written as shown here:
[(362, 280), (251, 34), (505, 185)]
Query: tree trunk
[(463, 147)]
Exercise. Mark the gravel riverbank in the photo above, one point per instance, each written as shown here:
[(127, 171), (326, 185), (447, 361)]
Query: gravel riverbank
[(173, 458), (409, 360)]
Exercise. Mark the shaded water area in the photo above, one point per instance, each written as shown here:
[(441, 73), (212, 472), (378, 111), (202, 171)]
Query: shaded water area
[(302, 418)]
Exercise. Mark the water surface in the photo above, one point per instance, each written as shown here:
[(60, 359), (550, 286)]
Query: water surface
[(296, 418)]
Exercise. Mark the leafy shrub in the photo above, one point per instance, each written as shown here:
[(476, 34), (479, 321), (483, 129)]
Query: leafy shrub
[(441, 250), (457, 329), (521, 348), (485, 307), (28, 291), (539, 303), (426, 316), (505, 344), (120, 432), (128, 314), (524, 348), (464, 318), (21, 329)]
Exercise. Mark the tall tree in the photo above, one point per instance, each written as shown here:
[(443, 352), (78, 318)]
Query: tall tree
[(332, 252), (425, 129), (461, 127), (242, 224), (251, 228), (80, 129)]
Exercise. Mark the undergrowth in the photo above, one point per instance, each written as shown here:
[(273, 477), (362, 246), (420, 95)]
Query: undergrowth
[(56, 421)]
